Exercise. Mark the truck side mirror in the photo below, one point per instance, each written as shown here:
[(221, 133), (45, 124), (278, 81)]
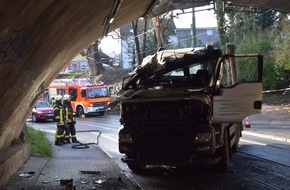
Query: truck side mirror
[(217, 88)]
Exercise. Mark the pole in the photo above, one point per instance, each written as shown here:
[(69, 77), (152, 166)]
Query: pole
[(193, 28)]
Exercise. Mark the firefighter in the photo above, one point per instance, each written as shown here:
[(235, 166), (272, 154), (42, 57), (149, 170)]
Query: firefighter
[(52, 101), (60, 120), (70, 119)]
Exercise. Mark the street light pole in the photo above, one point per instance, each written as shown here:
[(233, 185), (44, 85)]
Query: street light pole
[(193, 28)]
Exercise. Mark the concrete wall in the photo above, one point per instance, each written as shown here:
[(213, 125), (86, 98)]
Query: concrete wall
[(37, 38), (11, 159)]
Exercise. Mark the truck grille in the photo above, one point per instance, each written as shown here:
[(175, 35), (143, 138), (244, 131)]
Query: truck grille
[(99, 104), (165, 113)]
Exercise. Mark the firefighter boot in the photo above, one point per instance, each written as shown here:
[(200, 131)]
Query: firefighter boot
[(57, 142), (74, 140), (67, 140), (62, 140)]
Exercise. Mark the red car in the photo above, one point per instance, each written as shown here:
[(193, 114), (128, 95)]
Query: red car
[(42, 111)]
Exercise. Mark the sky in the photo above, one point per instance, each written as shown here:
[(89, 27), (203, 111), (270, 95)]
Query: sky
[(202, 19)]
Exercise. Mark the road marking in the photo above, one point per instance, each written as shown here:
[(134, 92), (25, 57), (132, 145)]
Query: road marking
[(107, 137), (100, 126), (253, 142)]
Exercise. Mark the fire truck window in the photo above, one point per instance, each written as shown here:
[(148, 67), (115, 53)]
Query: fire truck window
[(60, 91), (73, 94), (98, 92), (83, 93)]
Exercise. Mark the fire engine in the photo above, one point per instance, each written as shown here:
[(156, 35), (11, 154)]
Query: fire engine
[(86, 98)]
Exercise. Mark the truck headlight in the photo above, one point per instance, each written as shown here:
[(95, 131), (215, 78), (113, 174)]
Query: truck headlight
[(203, 148), (125, 138), (203, 137)]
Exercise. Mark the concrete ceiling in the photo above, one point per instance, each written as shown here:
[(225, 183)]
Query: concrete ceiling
[(37, 38)]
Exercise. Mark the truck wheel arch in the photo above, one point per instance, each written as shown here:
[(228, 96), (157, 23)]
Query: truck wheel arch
[(79, 110)]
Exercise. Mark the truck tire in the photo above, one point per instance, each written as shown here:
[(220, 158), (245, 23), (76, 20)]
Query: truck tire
[(137, 168), (237, 136), (224, 163), (80, 111)]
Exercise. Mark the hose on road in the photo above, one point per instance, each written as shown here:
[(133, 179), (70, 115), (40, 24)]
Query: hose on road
[(80, 145)]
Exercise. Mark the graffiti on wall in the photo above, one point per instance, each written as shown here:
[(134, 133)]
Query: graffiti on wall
[(14, 47)]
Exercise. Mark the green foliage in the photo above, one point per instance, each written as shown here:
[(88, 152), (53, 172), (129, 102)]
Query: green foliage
[(39, 144), (247, 71), (221, 22), (259, 31), (246, 21), (261, 43), (282, 43)]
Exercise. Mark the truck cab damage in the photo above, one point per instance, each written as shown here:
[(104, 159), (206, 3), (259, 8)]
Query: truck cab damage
[(181, 107)]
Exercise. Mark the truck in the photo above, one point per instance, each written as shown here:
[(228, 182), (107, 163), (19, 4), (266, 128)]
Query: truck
[(86, 98), (185, 107)]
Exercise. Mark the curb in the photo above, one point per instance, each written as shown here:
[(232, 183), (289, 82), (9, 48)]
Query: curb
[(272, 137)]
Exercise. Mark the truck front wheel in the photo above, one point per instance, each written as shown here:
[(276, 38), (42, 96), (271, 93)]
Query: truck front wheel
[(138, 167), (80, 111), (237, 137), (224, 163)]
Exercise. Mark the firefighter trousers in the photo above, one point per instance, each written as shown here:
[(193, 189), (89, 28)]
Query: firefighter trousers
[(72, 130), (59, 136)]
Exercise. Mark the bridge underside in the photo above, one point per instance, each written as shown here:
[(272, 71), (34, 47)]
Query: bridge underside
[(37, 38)]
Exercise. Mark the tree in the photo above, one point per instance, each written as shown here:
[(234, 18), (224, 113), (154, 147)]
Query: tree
[(158, 32), (282, 43), (94, 60), (136, 39), (254, 30), (144, 37), (221, 22), (261, 43), (280, 53)]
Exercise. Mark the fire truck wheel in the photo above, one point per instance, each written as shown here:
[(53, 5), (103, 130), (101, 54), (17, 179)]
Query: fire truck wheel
[(80, 111), (224, 163), (137, 167)]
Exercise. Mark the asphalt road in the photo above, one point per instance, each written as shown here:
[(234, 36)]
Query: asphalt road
[(261, 163)]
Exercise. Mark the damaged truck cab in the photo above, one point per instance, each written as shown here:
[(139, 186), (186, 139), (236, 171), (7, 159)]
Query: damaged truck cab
[(185, 107)]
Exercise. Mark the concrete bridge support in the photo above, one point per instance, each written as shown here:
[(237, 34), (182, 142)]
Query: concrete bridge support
[(37, 38)]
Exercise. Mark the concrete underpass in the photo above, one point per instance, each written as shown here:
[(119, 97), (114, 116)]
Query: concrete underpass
[(37, 38)]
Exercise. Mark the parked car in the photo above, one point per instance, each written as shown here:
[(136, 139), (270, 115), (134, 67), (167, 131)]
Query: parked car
[(42, 110)]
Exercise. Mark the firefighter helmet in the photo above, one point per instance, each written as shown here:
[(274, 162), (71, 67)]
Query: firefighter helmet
[(58, 97), (66, 97)]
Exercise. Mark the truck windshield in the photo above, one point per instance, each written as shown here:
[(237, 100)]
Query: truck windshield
[(97, 92)]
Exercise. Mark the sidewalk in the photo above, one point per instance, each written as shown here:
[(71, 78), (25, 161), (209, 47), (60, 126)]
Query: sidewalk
[(273, 124), (88, 168)]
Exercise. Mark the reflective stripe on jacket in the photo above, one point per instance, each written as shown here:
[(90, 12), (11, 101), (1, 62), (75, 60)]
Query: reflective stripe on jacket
[(68, 111), (59, 114)]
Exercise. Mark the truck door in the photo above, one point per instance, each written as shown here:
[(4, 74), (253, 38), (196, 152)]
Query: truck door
[(238, 87)]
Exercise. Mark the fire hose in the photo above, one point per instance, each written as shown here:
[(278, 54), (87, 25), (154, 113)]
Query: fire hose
[(80, 145)]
